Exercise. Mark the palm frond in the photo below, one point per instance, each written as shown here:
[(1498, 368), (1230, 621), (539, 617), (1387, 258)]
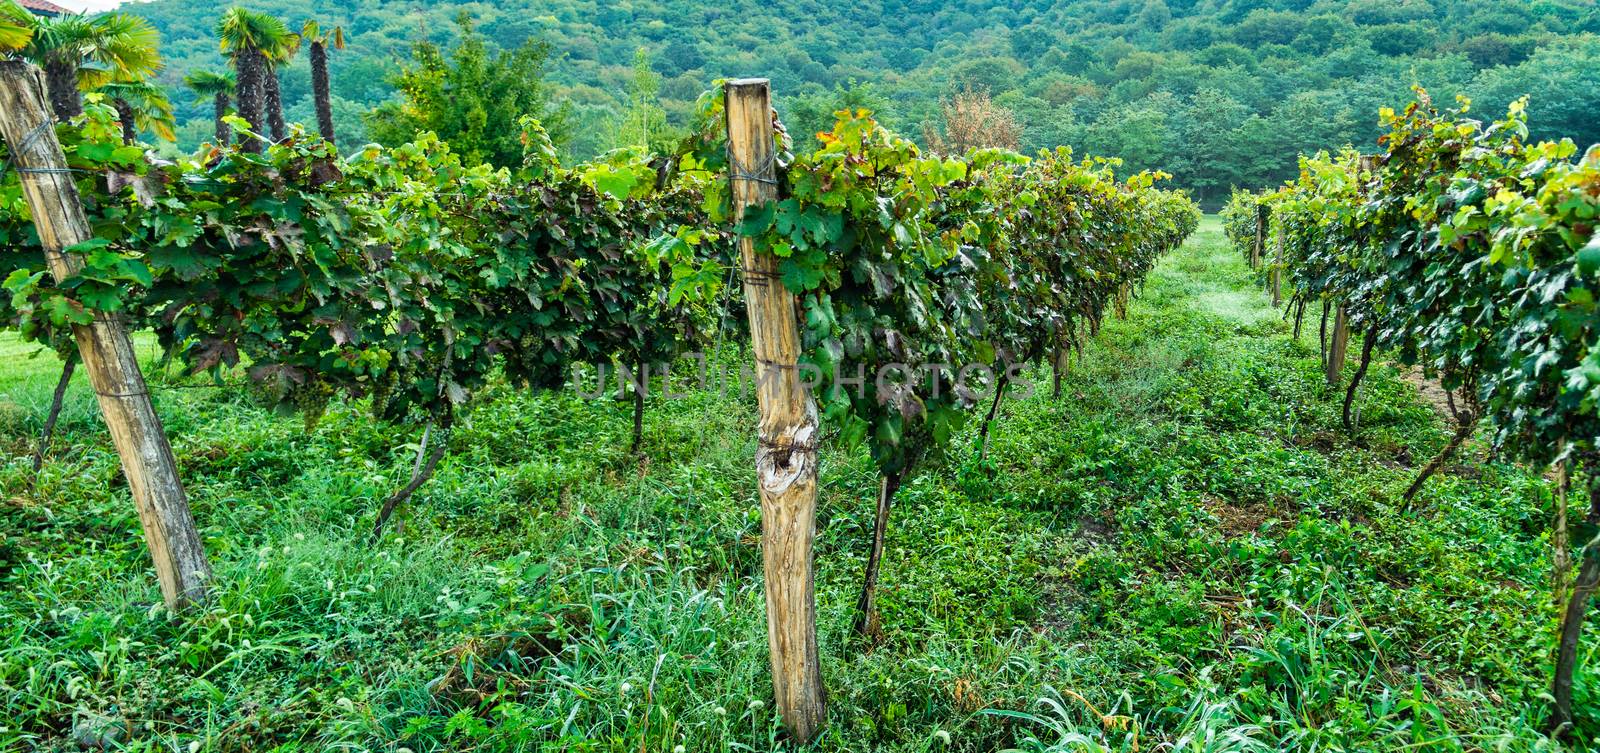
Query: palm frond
[(208, 84), (102, 48), (241, 28), (312, 32), (151, 107), (16, 27), (127, 44)]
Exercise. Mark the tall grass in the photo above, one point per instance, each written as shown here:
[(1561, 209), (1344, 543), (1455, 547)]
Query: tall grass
[(1184, 553)]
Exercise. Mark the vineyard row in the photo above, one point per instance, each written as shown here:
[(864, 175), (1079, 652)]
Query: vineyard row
[(404, 277), (1467, 251)]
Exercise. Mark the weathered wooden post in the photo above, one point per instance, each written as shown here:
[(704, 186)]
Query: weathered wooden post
[(1338, 343), (1256, 250), (107, 353), (786, 450), (1058, 368), (1277, 270), (1568, 646), (1339, 340)]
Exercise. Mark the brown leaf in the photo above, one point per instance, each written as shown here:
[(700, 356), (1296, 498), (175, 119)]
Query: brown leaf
[(212, 352)]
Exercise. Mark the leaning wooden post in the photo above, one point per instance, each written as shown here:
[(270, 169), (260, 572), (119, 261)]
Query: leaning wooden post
[(1338, 343), (786, 451), (107, 353)]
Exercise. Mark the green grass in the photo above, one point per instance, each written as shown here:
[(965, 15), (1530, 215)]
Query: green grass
[(1187, 542)]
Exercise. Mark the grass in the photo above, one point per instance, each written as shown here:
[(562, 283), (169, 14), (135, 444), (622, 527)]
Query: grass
[(1185, 552)]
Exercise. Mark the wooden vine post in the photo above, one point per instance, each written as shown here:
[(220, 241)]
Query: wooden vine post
[(1338, 343), (1277, 270), (786, 452), (1339, 340), (1584, 588), (107, 353), (1256, 251)]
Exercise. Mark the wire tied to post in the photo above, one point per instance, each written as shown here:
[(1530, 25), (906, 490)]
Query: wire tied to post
[(737, 171)]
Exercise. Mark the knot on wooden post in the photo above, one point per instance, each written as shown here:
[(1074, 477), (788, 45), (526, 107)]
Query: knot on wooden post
[(788, 457)]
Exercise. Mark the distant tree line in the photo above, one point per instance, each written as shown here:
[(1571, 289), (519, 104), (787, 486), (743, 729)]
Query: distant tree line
[(1218, 93)]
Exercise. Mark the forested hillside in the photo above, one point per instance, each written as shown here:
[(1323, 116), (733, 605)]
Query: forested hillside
[(1219, 92)]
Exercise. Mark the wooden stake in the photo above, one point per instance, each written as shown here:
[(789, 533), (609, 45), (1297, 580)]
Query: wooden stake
[(1256, 251), (1277, 270), (1584, 588), (1338, 343), (104, 346), (786, 453), (1058, 367)]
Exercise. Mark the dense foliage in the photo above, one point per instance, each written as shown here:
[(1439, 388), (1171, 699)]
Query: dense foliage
[(1240, 220), (1470, 250), (406, 275), (1217, 93), (1187, 543), (913, 268), (472, 100), (399, 274)]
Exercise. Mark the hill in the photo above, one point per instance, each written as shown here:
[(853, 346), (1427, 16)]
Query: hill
[(1219, 92)]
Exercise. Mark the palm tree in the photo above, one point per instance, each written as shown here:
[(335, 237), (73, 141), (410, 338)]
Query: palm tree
[(273, 99), (250, 38), (217, 87), (82, 53), (141, 106), (320, 90)]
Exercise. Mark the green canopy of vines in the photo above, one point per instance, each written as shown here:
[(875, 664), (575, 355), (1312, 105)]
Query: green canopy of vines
[(925, 279), (405, 276), (1471, 252)]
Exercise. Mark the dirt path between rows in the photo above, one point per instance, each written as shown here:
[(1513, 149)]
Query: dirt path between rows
[(1432, 392)]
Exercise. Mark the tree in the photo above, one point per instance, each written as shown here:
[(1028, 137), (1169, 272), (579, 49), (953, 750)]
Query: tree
[(972, 121), (217, 87), (810, 114), (644, 123), (272, 93), (250, 39), (1139, 133), (683, 56), (473, 100), (1044, 124), (1263, 27), (81, 53), (1155, 16), (1490, 50), (1563, 81), (988, 74), (1208, 128), (141, 106), (319, 41)]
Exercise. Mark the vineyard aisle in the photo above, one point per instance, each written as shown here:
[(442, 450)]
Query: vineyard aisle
[(1187, 542)]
